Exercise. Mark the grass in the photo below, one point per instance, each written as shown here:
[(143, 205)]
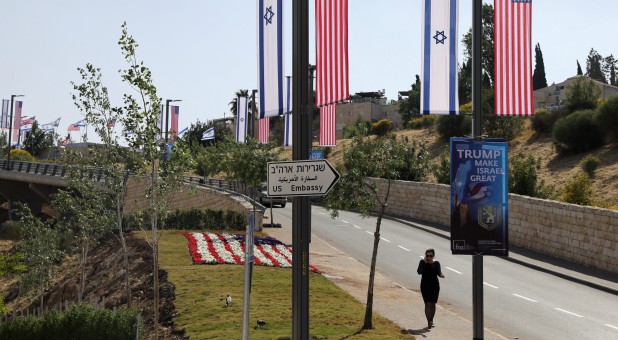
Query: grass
[(333, 314)]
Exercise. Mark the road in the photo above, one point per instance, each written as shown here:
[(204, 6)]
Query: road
[(519, 302)]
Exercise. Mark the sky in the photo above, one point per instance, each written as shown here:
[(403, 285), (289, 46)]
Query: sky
[(203, 51)]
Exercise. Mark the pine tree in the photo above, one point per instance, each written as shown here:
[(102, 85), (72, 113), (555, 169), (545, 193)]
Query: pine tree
[(579, 69), (609, 68), (593, 66), (539, 79)]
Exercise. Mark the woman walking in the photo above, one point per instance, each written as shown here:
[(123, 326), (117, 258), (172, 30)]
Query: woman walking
[(430, 286)]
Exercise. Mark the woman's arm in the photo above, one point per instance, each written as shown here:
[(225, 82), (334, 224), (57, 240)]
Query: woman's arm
[(440, 270), (421, 267)]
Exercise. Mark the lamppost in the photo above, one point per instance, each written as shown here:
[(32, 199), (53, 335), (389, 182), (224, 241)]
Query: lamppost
[(167, 115), (253, 117), (8, 156)]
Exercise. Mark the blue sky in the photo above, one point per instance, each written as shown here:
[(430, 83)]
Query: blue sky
[(202, 51)]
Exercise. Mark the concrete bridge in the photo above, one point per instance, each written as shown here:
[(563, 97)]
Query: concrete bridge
[(34, 184)]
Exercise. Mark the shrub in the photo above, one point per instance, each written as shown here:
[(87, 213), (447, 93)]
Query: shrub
[(442, 168), (382, 128), (589, 164), (578, 190), (193, 218), (357, 129), (422, 122), (607, 117), (582, 94), (524, 178), (11, 230), (454, 126), (21, 155), (577, 132), (507, 127), (543, 121)]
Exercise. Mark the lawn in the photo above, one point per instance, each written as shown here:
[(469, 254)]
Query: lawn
[(201, 292)]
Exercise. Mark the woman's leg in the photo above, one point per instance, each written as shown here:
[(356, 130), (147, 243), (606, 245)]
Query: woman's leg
[(428, 313), (432, 312)]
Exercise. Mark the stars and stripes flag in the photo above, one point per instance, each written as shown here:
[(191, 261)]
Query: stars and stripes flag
[(72, 127), (514, 95), (327, 125), (331, 40), (287, 131), (209, 134), (28, 121), (4, 118), (439, 57), (112, 123), (242, 112), (263, 130), (17, 120), (270, 57), (174, 115)]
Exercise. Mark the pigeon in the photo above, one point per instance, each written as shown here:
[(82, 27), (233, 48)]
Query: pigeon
[(228, 300), (260, 323)]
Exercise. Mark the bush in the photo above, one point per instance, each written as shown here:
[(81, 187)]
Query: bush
[(543, 121), (382, 128), (524, 178), (454, 126), (582, 94), (578, 190), (607, 117), (507, 127), (191, 219), (21, 155), (357, 129), (11, 230), (442, 168), (422, 122), (589, 164), (577, 132), (78, 322)]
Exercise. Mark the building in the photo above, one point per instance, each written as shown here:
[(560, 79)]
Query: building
[(370, 107), (555, 95)]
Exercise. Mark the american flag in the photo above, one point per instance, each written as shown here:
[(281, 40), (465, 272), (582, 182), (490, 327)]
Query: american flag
[(17, 120), (111, 123), (263, 130), (174, 119), (28, 120), (327, 125), (513, 58), (331, 32)]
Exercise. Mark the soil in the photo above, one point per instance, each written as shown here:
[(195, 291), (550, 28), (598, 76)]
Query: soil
[(105, 285)]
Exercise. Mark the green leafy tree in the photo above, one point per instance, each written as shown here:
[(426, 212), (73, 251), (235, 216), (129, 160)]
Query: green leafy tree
[(356, 129), (410, 107), (539, 79), (609, 68), (582, 94), (465, 82), (380, 158), (579, 69), (594, 68), (10, 264), (442, 167), (578, 190), (3, 143), (607, 117), (487, 46), (38, 140), (382, 127), (524, 177)]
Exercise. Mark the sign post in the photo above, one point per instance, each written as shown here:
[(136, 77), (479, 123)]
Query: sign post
[(301, 178)]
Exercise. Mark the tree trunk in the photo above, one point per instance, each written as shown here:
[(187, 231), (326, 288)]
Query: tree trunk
[(123, 249), (368, 323), (155, 263), (82, 284)]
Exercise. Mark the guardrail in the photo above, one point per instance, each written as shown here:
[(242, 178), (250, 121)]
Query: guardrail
[(229, 187), (46, 169)]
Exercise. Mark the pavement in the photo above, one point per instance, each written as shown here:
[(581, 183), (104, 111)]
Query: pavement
[(352, 276)]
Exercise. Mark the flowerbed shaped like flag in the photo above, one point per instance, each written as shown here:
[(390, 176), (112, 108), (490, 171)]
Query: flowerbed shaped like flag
[(211, 248)]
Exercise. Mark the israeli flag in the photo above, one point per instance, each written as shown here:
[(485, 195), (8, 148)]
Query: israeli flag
[(242, 113), (439, 57), (209, 134), (182, 132), (270, 57)]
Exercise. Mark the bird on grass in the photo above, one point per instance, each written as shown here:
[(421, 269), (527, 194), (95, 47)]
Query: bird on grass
[(260, 324), (228, 300)]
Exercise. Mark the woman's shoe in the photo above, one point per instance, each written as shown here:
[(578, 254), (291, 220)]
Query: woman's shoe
[(431, 325)]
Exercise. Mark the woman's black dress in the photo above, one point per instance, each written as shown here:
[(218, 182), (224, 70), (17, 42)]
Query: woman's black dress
[(430, 286)]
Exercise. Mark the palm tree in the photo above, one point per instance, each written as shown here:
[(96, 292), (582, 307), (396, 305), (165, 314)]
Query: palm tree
[(233, 103)]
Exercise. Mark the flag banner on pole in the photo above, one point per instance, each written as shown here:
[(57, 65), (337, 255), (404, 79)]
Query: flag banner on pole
[(514, 95), (4, 119), (72, 127), (331, 40), (182, 132), (263, 130), (17, 120), (242, 112), (209, 134), (26, 127), (327, 125), (439, 58), (287, 132), (81, 123), (270, 57), (28, 120), (175, 114)]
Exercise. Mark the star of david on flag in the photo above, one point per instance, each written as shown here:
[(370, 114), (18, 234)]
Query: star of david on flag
[(209, 134)]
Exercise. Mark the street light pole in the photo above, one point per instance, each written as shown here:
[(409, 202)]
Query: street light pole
[(8, 156), (253, 113), (167, 116)]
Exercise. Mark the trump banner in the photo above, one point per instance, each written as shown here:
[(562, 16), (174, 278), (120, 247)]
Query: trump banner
[(479, 197)]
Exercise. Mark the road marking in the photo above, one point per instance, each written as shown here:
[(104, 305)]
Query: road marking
[(608, 325), (385, 240), (368, 232), (525, 298), (344, 221), (492, 286), (422, 257), (566, 311), (323, 213), (404, 248), (355, 226), (453, 270)]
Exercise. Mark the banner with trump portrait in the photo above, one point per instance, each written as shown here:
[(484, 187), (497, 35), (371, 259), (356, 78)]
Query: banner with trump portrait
[(479, 197)]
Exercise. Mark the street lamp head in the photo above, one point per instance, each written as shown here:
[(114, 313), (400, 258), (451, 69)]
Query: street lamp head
[(173, 100), (17, 95)]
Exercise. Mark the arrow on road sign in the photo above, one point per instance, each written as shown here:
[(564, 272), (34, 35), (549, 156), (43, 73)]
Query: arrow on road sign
[(301, 178)]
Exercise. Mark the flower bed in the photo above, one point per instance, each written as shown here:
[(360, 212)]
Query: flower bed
[(224, 248)]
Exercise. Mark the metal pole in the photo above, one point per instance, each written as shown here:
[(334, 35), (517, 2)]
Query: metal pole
[(301, 213), (253, 113), (477, 74), (167, 118), (246, 302)]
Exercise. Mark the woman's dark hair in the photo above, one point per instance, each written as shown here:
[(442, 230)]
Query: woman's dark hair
[(430, 250)]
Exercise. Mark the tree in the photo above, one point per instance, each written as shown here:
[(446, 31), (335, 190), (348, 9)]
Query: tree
[(233, 103), (582, 94), (579, 69), (609, 68), (539, 80), (3, 143), (383, 158), (410, 107), (487, 46), (524, 178), (465, 82), (38, 140), (594, 66)]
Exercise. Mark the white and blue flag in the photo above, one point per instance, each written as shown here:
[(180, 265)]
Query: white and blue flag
[(270, 58), (209, 134), (287, 132), (182, 132), (242, 113), (439, 57)]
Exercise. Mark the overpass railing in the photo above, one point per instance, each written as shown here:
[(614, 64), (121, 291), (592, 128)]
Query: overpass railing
[(46, 169)]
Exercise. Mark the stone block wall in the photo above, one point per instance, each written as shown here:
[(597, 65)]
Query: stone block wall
[(580, 234), (191, 197)]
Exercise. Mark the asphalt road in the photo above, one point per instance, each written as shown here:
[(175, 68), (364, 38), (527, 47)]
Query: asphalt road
[(519, 302)]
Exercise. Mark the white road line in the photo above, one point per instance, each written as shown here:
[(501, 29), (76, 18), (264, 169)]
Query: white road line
[(608, 325), (453, 270), (404, 248), (492, 286), (355, 226), (566, 311), (525, 298), (344, 221), (422, 257), (385, 240), (368, 232), (323, 213)]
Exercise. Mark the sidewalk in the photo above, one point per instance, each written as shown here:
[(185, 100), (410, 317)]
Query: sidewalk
[(391, 299)]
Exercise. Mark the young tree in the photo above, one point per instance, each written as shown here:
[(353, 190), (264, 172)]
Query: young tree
[(594, 66), (410, 107), (384, 158), (539, 79), (579, 69), (487, 45), (609, 68), (582, 94), (38, 140)]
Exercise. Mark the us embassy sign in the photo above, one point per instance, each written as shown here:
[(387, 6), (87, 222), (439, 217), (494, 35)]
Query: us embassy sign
[(479, 197)]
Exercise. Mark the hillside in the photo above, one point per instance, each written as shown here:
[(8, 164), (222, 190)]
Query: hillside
[(556, 170)]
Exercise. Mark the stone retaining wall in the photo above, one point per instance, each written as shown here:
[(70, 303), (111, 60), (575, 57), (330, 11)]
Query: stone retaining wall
[(191, 197), (580, 234)]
